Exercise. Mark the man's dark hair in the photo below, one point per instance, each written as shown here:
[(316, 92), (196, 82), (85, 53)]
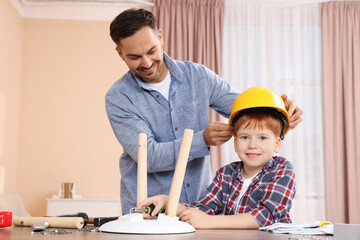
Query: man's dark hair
[(129, 22)]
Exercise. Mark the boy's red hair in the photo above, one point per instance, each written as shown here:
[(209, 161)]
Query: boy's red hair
[(259, 120)]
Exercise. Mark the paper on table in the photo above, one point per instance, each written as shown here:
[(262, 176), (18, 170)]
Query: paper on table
[(315, 228)]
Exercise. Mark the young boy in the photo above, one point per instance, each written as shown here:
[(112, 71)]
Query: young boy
[(257, 190)]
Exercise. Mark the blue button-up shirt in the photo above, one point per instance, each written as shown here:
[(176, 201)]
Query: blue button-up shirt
[(134, 108)]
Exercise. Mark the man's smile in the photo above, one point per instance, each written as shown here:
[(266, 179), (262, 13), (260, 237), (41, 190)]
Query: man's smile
[(147, 70)]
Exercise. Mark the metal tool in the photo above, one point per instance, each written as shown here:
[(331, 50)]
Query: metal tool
[(40, 226), (56, 232), (89, 229)]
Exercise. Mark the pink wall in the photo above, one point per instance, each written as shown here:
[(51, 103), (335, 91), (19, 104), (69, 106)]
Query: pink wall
[(11, 60), (63, 132)]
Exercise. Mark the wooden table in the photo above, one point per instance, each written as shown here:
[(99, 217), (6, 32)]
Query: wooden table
[(19, 233)]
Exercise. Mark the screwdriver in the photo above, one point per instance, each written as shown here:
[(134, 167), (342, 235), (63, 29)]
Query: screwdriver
[(148, 209)]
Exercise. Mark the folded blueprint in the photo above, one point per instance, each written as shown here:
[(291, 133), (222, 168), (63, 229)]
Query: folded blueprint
[(315, 228)]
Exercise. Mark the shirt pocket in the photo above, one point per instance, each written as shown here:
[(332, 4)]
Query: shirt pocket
[(188, 115), (256, 195), (260, 190)]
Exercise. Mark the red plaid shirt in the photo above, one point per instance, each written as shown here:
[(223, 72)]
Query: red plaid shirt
[(268, 198)]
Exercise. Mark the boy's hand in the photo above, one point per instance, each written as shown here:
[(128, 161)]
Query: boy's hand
[(159, 201), (294, 111), (195, 217)]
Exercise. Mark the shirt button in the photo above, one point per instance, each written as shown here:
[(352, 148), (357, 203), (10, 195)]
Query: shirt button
[(157, 96), (188, 185), (236, 194), (227, 212), (176, 129)]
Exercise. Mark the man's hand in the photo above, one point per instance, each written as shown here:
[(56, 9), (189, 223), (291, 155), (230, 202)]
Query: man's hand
[(217, 133), (195, 217), (294, 111), (159, 201)]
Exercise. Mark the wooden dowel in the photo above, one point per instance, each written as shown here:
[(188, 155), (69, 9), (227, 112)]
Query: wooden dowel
[(142, 168), (179, 173), (60, 222)]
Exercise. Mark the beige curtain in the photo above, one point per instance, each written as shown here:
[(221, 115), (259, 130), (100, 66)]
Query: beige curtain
[(192, 31), (341, 93)]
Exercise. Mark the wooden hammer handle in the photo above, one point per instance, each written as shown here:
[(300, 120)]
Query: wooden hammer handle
[(60, 222)]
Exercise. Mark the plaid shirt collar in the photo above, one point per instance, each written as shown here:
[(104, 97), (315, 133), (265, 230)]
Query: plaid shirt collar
[(237, 172)]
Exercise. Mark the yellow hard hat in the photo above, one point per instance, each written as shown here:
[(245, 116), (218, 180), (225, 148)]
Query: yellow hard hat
[(263, 99)]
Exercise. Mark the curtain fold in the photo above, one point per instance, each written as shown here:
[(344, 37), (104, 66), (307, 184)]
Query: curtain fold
[(341, 87), (192, 31)]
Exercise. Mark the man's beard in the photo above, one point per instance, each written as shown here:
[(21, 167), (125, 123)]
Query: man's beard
[(150, 80)]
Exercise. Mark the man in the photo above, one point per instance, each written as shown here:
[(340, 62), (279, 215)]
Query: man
[(161, 97)]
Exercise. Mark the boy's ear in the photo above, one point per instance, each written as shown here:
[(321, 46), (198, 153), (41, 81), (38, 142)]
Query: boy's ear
[(277, 145), (235, 146)]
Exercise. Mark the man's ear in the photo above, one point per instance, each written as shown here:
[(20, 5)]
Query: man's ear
[(277, 145), (118, 50), (160, 36)]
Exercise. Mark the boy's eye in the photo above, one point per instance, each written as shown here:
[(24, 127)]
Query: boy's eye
[(244, 137), (263, 138)]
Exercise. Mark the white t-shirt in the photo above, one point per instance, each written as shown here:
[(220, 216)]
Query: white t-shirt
[(162, 87), (245, 185)]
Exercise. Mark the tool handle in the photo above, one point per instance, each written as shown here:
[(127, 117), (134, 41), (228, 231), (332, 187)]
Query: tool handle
[(79, 214), (151, 208), (60, 222), (101, 220)]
